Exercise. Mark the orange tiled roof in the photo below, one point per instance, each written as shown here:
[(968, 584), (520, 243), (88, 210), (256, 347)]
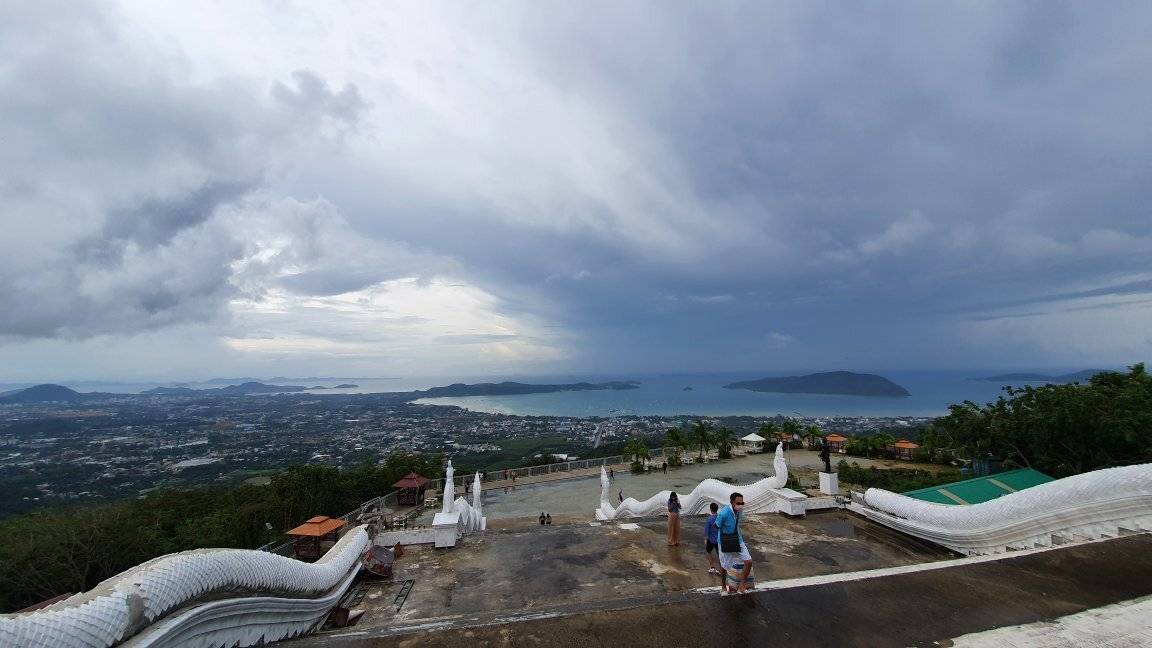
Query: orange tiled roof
[(836, 437), (905, 443), (317, 527)]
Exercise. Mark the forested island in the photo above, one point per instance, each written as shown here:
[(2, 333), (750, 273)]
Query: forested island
[(515, 388), (829, 382)]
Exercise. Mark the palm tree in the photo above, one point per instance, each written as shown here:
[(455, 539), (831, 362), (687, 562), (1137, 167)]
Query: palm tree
[(636, 449), (789, 430), (674, 440), (724, 440), (702, 436), (812, 436)]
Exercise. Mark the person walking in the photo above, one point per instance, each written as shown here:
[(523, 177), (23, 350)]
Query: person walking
[(611, 475), (665, 466), (673, 520), (712, 540), (541, 518), (620, 495), (734, 556)]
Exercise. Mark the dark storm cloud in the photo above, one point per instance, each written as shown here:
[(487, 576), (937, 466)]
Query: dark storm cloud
[(739, 185), (1131, 288), (155, 222), (887, 161)]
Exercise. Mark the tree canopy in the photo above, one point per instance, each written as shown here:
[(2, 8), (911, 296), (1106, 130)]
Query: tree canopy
[(71, 549), (1058, 429)]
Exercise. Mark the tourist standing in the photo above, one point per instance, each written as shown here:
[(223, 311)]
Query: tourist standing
[(665, 466), (611, 475), (712, 539), (734, 556), (621, 495), (541, 518), (673, 520), (548, 519)]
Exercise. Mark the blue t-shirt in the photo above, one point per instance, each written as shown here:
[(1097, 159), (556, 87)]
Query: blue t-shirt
[(711, 531), (729, 522), (673, 505)]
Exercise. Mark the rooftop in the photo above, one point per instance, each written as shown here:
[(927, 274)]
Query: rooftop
[(318, 526), (981, 489), (582, 566), (918, 605)]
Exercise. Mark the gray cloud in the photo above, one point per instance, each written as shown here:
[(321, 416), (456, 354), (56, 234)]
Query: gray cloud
[(119, 169), (475, 338), (868, 178)]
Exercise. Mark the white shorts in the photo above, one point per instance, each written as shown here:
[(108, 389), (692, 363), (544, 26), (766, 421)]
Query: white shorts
[(735, 557)]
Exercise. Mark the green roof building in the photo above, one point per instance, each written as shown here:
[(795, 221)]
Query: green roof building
[(981, 489)]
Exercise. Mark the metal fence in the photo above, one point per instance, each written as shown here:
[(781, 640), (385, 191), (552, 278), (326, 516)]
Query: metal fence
[(546, 469)]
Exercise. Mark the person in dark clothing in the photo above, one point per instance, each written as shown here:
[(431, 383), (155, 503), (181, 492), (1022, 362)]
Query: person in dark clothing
[(548, 519), (673, 520), (665, 467), (541, 518), (712, 540)]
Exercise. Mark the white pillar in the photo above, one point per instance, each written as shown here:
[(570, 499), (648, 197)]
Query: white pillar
[(476, 493), (829, 483), (449, 488)]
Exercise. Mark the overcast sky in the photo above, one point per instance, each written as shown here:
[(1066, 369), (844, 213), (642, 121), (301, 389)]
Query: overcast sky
[(487, 188)]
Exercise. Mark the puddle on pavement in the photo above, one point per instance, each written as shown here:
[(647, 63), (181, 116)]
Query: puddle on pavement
[(837, 528)]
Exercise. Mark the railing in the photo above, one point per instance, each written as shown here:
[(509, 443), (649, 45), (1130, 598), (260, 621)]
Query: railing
[(545, 469), (388, 500)]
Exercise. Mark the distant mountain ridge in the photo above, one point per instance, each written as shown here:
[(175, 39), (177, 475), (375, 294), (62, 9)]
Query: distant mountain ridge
[(830, 382), (47, 393), (242, 389), (1076, 376)]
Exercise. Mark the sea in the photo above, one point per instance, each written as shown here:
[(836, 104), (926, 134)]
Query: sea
[(669, 394)]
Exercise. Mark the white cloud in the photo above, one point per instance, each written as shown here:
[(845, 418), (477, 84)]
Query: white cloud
[(1097, 330), (402, 324), (899, 235), (779, 340), (711, 299)]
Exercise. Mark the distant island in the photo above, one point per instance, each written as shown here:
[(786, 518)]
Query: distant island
[(1076, 376), (689, 388), (515, 388), (346, 386), (830, 382)]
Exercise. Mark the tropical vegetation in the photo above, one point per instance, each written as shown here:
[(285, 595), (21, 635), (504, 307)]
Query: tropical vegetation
[(638, 450), (53, 551), (1058, 429)]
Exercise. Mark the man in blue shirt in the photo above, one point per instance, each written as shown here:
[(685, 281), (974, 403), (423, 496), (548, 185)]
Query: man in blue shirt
[(712, 539), (728, 521)]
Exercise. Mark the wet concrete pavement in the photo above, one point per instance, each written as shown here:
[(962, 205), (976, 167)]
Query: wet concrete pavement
[(923, 608), (540, 568), (576, 497)]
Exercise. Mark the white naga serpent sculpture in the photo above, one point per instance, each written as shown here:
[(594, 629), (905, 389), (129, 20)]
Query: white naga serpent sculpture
[(759, 497), (204, 597), (1100, 504)]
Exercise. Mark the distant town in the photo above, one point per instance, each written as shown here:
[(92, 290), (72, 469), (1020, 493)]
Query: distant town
[(118, 446)]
